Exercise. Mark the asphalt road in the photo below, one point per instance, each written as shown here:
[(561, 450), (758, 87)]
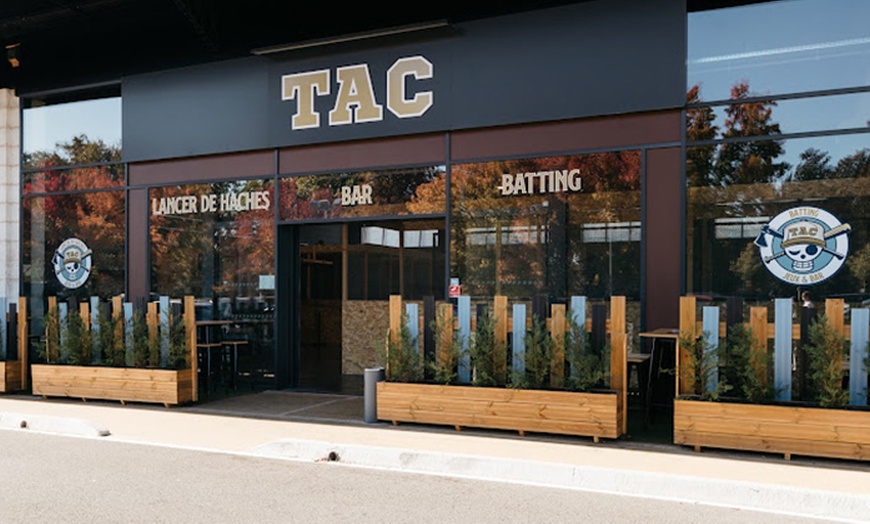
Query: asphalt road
[(51, 478)]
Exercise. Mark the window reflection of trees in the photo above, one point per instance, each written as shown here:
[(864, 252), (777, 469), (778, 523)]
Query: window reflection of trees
[(211, 255), (555, 245), (95, 218), (394, 193), (738, 182), (69, 207)]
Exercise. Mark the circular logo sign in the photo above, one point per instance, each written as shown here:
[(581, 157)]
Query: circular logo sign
[(804, 245), (72, 263)]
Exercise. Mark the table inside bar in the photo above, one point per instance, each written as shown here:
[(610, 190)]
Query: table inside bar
[(209, 340)]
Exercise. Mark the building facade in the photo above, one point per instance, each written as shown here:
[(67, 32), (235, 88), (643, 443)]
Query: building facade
[(629, 147)]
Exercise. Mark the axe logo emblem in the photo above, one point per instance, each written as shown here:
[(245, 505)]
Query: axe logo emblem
[(803, 245)]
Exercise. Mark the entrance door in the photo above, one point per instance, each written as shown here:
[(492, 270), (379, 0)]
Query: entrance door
[(351, 270), (320, 307)]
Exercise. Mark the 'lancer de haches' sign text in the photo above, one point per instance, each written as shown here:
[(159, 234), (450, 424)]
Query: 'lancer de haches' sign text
[(212, 203), (541, 182)]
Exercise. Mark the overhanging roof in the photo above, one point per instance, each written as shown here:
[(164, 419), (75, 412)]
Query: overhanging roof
[(73, 42)]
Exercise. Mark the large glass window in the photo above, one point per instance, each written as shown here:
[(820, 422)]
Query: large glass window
[(735, 191), (396, 258), (555, 226), (779, 47), (216, 243), (74, 246), (384, 193), (59, 131), (755, 157)]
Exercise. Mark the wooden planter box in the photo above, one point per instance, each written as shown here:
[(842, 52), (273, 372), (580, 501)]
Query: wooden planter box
[(595, 415), (790, 430), (161, 386), (10, 376)]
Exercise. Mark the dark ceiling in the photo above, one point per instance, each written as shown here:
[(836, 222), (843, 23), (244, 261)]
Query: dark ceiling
[(63, 43)]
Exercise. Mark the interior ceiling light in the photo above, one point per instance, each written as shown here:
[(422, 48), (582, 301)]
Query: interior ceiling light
[(350, 38)]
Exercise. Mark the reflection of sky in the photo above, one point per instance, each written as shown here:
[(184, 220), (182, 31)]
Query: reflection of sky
[(780, 47), (46, 126), (788, 47)]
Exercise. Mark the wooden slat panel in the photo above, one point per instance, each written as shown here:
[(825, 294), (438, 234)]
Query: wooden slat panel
[(586, 414), (765, 413), (783, 429), (605, 403), (604, 429), (192, 354), (395, 328), (136, 385), (495, 394), (23, 339), (758, 325), (841, 450), (530, 410), (10, 376), (84, 373), (557, 330), (685, 382), (500, 310), (51, 332), (834, 310), (808, 432), (153, 321)]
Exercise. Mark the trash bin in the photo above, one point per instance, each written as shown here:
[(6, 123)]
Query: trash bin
[(370, 391)]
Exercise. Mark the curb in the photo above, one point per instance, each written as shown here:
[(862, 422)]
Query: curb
[(756, 496), (49, 424)]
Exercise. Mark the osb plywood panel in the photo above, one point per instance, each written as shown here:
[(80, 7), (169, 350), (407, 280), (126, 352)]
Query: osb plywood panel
[(364, 325)]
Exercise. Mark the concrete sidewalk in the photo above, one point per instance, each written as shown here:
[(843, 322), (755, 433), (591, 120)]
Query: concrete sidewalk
[(330, 429)]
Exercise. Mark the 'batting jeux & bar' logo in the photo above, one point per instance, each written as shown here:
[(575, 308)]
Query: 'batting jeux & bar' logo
[(72, 263), (804, 245)]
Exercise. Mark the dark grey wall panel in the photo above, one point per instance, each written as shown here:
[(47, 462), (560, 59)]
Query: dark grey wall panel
[(195, 111), (589, 59), (597, 58)]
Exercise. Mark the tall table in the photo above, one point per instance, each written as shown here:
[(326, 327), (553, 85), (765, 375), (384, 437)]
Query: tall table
[(208, 339)]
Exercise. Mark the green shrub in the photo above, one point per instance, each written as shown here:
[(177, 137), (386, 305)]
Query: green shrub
[(702, 369), (178, 352), (483, 349), (538, 358), (746, 370), (447, 351), (402, 359), (825, 353), (587, 369)]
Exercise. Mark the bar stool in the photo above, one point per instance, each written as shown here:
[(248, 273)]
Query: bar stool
[(230, 357), (641, 364)]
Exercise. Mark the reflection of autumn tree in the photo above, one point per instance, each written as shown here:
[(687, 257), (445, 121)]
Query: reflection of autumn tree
[(212, 254), (534, 244), (97, 218), (814, 165), (748, 267), (854, 166), (179, 245), (430, 198), (247, 247), (742, 162), (392, 192), (746, 181), (79, 150), (699, 127)]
